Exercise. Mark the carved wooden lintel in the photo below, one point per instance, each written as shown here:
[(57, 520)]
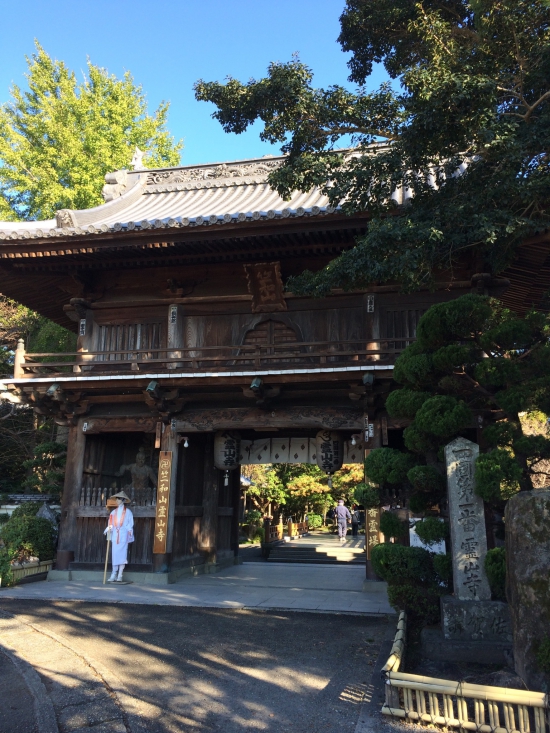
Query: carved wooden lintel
[(331, 418), (121, 424)]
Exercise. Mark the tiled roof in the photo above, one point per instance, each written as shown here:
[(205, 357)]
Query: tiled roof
[(190, 196)]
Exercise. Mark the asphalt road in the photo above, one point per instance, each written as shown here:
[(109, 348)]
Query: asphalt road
[(210, 669)]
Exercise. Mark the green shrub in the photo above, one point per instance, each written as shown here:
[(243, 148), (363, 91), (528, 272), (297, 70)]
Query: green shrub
[(543, 655), (6, 576), (253, 516), (259, 536), (4, 518), (388, 465), (443, 566), (27, 509), (391, 525), (30, 535), (366, 495), (399, 564), (420, 603), (426, 479), (495, 567), (413, 583), (432, 530), (314, 521), (420, 503)]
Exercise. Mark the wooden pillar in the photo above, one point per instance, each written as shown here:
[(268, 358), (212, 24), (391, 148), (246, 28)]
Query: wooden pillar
[(209, 522), (169, 442), (375, 441), (68, 530), (235, 478)]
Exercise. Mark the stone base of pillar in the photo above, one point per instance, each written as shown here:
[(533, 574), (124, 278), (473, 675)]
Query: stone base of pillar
[(434, 646), (162, 562), (63, 559)]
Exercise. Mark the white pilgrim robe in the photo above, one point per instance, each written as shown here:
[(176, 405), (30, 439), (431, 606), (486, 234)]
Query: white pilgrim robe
[(121, 533)]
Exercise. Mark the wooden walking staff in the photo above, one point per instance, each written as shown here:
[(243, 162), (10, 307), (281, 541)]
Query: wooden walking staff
[(107, 556)]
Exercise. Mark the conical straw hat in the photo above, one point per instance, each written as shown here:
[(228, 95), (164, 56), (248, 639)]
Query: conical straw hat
[(121, 495)]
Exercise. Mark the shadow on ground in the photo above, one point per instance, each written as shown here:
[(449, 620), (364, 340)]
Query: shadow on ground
[(196, 669)]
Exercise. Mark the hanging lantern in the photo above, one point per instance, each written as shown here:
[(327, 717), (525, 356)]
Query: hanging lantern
[(330, 452), (227, 449)]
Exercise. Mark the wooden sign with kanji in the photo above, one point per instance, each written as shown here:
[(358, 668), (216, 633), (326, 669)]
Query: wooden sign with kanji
[(163, 501)]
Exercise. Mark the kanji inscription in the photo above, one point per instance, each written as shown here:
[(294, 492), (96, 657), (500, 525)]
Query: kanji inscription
[(372, 530), (163, 501), (466, 516), (266, 287)]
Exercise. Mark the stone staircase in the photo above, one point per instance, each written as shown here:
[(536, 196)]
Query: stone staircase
[(300, 551)]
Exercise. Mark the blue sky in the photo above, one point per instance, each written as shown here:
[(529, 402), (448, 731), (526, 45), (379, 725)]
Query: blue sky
[(168, 44)]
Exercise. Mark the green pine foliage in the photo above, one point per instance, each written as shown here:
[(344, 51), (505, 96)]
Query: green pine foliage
[(60, 138), (366, 495), (388, 466), (26, 509), (431, 530), (414, 585), (471, 92), (495, 567), (46, 469), (473, 361), (391, 526)]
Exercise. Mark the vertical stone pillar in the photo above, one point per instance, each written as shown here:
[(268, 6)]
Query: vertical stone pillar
[(467, 522), (210, 500), (68, 530)]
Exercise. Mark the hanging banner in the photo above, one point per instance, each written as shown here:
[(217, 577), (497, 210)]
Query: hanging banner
[(227, 449), (330, 451), (163, 501), (372, 529)]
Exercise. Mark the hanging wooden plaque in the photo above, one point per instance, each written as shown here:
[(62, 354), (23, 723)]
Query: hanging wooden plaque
[(163, 501)]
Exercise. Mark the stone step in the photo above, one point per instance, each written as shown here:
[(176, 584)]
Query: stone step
[(316, 560)]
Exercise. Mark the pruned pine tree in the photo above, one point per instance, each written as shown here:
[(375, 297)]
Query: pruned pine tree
[(480, 371)]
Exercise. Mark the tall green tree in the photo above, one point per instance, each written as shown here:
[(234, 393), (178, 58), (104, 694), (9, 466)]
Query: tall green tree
[(465, 129), (474, 366), (59, 138)]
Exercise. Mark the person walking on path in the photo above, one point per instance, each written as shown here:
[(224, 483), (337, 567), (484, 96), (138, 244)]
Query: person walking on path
[(355, 517), (121, 529), (342, 516)]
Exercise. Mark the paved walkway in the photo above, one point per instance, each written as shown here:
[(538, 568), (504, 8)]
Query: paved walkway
[(110, 668), (251, 585)]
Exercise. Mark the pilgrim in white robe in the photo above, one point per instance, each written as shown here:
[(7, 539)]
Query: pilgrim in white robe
[(121, 524)]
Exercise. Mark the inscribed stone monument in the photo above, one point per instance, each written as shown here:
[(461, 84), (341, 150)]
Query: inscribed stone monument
[(467, 521)]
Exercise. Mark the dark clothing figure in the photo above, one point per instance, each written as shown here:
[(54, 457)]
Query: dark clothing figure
[(355, 518), (342, 516)]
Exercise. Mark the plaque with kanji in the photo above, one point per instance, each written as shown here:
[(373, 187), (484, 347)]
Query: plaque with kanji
[(163, 502), (265, 285), (372, 529)]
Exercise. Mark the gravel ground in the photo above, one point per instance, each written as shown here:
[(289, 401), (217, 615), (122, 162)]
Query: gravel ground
[(191, 669)]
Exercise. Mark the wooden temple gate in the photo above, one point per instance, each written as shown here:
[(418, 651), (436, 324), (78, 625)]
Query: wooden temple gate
[(184, 329)]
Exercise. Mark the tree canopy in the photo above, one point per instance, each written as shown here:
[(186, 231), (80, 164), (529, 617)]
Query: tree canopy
[(60, 138), (474, 366), (464, 126)]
